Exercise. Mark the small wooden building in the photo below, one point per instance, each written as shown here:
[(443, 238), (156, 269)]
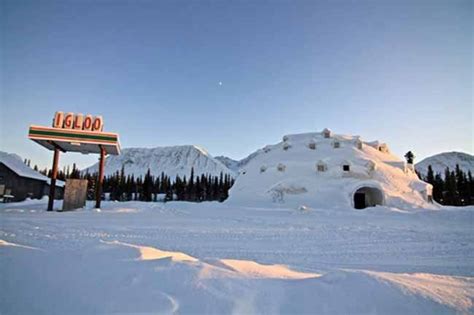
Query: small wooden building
[(20, 181)]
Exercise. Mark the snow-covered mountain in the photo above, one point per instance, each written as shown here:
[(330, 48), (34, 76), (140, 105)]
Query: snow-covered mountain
[(237, 165), (439, 162), (173, 160), (229, 162)]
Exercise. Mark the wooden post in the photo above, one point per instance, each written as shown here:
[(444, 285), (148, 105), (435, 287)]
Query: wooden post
[(54, 175), (100, 178)]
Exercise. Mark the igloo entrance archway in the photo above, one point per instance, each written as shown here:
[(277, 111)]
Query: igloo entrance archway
[(367, 196)]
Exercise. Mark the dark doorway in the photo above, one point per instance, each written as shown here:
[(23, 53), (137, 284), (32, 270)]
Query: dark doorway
[(367, 197), (359, 200)]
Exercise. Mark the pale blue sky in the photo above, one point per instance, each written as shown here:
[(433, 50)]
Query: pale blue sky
[(398, 71)]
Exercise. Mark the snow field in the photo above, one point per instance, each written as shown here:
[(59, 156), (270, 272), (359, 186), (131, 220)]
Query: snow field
[(181, 257)]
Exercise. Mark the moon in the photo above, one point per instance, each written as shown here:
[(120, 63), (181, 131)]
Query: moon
[(220, 82)]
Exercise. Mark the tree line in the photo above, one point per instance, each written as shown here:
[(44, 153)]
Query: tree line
[(454, 187), (123, 187), (196, 188)]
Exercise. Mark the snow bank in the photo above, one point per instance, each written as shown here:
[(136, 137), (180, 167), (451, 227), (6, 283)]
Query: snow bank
[(97, 283)]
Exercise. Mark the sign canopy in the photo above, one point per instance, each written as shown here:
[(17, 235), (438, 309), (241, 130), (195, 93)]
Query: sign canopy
[(74, 133)]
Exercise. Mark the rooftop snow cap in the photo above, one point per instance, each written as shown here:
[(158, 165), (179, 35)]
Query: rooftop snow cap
[(16, 164), (358, 174)]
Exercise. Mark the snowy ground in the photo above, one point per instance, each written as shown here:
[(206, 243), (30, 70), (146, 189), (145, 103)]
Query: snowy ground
[(211, 258)]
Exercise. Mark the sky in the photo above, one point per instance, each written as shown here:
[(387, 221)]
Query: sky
[(234, 76)]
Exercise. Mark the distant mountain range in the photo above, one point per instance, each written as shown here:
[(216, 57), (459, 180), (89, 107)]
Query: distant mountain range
[(173, 160), (439, 162)]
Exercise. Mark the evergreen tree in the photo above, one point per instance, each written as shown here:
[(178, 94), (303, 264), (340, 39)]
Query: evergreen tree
[(460, 186), (409, 156), (221, 196), (430, 176), (128, 188), (169, 190), (91, 180), (450, 192), (76, 174), (199, 188), (438, 188), (147, 187), (156, 187), (191, 191), (470, 189)]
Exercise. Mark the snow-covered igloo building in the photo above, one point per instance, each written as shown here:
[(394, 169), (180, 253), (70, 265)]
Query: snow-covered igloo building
[(322, 169)]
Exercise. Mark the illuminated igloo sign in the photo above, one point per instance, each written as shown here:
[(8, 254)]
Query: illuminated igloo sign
[(72, 132), (78, 122), (76, 133)]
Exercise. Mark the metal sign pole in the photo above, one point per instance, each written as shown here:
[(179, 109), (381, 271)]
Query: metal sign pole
[(54, 175), (100, 178)]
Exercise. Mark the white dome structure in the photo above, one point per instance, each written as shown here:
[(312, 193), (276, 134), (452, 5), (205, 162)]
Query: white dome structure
[(315, 173)]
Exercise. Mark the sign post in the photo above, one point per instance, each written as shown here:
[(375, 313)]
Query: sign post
[(100, 179), (76, 133), (54, 175)]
